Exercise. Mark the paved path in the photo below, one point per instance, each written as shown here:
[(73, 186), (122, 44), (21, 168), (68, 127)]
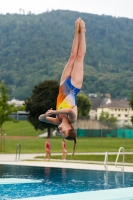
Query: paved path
[(12, 157)]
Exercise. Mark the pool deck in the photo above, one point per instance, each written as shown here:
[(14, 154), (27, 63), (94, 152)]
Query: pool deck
[(29, 160), (111, 194)]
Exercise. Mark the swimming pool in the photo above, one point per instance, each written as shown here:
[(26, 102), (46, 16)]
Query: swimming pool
[(18, 182)]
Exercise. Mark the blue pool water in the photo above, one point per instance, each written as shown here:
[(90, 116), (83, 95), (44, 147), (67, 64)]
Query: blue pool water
[(52, 181)]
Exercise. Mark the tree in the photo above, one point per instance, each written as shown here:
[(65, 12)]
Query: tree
[(106, 118), (21, 108), (131, 104), (5, 109), (43, 97), (83, 104)]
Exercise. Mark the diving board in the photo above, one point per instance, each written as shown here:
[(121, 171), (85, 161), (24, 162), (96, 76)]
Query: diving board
[(17, 181)]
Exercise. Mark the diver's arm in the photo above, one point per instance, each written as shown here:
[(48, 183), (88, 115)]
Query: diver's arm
[(72, 113), (47, 119)]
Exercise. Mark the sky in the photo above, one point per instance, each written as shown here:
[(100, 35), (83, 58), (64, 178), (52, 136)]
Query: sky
[(115, 8)]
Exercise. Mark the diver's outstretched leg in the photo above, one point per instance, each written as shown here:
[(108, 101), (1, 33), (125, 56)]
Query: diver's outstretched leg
[(74, 51), (78, 71)]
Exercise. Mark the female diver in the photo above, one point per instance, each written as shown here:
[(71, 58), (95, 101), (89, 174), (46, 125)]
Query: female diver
[(70, 85)]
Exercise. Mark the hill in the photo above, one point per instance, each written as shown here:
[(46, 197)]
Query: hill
[(36, 48)]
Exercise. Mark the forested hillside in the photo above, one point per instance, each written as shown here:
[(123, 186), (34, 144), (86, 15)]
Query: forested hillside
[(34, 48)]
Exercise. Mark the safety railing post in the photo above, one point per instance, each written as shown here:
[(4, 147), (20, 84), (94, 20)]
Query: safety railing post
[(106, 161), (18, 151), (122, 168)]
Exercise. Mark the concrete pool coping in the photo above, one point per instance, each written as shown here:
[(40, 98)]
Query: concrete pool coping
[(66, 164)]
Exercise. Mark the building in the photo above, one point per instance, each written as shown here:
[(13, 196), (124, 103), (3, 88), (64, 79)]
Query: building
[(20, 115), (97, 102), (117, 108), (16, 102), (92, 95)]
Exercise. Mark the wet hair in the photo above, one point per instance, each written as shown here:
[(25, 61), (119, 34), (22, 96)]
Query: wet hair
[(72, 136)]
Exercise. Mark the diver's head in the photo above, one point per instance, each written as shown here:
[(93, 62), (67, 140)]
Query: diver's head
[(64, 129), (68, 132)]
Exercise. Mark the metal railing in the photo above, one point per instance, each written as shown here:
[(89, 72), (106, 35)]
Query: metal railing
[(122, 167), (106, 161), (18, 150)]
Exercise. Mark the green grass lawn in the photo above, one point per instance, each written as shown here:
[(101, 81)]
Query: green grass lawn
[(21, 128), (36, 145), (111, 158)]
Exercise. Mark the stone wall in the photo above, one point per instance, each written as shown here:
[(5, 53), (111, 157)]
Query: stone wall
[(89, 124)]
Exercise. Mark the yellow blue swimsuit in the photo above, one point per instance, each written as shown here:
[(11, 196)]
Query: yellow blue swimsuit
[(67, 95)]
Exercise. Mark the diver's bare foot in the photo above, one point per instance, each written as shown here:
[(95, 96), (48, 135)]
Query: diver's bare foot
[(82, 26), (77, 25)]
